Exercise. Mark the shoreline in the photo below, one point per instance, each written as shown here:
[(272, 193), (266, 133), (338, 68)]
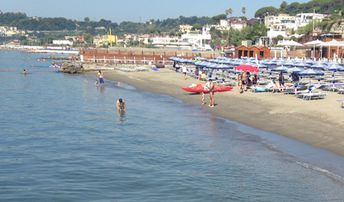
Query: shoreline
[(319, 123)]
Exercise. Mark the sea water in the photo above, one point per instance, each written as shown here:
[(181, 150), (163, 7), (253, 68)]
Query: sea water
[(61, 139)]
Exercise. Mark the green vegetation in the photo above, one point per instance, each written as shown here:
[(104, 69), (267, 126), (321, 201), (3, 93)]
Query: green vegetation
[(319, 6), (22, 21), (234, 37)]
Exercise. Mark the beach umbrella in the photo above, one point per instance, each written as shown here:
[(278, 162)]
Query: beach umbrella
[(319, 65), (280, 69), (246, 68), (335, 67), (263, 66), (313, 43), (333, 42), (289, 43), (295, 69), (301, 64), (310, 72), (288, 63)]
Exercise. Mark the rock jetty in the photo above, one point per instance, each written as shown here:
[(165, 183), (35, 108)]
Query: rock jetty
[(71, 68)]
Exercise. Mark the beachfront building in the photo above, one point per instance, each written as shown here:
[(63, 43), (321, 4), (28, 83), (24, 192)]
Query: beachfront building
[(62, 43), (185, 28), (198, 41), (237, 23), (77, 38), (303, 19), (252, 51), (192, 40), (284, 24), (6, 31), (104, 40)]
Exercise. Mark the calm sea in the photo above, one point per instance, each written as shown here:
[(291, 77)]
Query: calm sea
[(61, 139)]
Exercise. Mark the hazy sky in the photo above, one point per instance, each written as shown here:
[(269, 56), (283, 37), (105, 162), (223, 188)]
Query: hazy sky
[(133, 10)]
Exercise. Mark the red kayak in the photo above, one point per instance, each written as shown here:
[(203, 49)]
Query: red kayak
[(199, 88)]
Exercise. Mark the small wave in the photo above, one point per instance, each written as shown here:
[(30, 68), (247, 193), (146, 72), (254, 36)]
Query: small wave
[(323, 171)]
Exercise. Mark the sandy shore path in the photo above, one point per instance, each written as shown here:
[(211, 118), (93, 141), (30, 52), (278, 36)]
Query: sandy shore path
[(319, 122)]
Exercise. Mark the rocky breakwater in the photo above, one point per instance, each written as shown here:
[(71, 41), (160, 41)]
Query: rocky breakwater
[(71, 68)]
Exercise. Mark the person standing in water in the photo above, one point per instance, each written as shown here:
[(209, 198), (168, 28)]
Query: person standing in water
[(120, 105), (100, 78), (211, 86)]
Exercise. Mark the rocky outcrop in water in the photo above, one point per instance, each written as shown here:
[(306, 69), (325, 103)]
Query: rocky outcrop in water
[(71, 68)]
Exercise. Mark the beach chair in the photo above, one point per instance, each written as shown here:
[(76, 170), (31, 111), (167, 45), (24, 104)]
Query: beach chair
[(313, 96), (341, 91)]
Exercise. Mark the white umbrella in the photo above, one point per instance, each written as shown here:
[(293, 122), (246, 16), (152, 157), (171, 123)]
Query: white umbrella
[(313, 43), (333, 42), (289, 43)]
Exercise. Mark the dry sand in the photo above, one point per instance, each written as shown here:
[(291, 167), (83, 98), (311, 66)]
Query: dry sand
[(317, 122)]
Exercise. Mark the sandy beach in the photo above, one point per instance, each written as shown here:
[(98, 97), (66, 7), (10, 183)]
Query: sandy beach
[(317, 122)]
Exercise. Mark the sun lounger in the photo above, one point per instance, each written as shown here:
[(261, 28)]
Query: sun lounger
[(312, 96), (341, 91)]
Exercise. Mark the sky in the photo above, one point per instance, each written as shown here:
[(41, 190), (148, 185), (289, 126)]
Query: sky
[(133, 10)]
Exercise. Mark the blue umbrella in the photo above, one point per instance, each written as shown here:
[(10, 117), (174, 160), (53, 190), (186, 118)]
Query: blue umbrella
[(280, 69), (301, 64), (335, 67), (288, 63), (295, 69), (310, 72), (319, 65)]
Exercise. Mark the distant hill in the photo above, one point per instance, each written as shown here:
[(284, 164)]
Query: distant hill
[(24, 22), (319, 6)]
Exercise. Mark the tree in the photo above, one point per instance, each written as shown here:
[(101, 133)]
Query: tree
[(87, 19), (197, 27), (283, 6), (216, 19), (229, 12), (243, 10), (261, 13), (279, 38)]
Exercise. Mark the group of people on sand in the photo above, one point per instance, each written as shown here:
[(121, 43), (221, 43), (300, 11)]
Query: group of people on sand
[(245, 80), (209, 86)]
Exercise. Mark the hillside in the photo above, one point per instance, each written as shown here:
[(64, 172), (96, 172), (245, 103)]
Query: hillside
[(319, 6)]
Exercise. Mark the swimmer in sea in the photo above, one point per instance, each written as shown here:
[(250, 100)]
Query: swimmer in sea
[(25, 71), (120, 104)]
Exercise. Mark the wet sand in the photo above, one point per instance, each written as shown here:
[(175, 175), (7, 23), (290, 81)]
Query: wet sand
[(317, 122)]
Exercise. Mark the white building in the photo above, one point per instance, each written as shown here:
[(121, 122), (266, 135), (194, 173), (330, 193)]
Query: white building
[(63, 42), (188, 41), (198, 41), (304, 19), (231, 23), (282, 24), (10, 31)]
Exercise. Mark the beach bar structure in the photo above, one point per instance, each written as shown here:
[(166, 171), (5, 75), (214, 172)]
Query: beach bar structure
[(252, 51), (138, 56)]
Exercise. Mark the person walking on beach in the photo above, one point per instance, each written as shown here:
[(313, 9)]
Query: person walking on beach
[(100, 77), (281, 81), (211, 93), (239, 82), (120, 105), (184, 70), (244, 79)]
